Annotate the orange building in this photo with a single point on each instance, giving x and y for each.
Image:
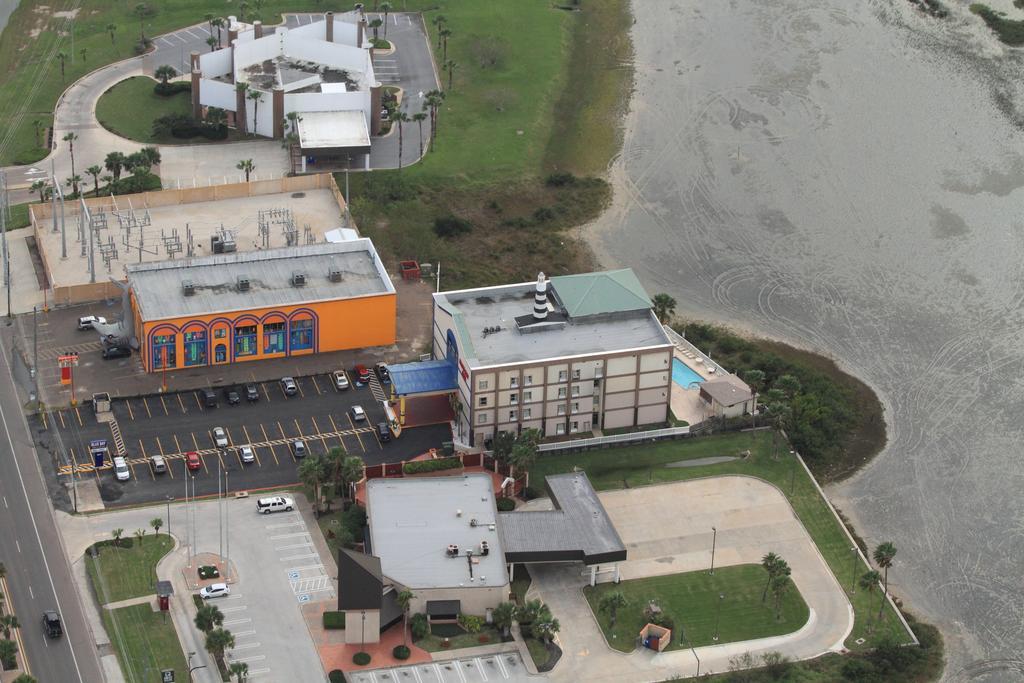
(274, 303)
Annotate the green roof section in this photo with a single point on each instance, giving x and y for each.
(611, 291)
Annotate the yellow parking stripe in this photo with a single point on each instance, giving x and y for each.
(181, 403)
(248, 440)
(146, 403)
(60, 416)
(79, 416)
(267, 439)
(265, 392)
(164, 404)
(198, 402)
(355, 432)
(317, 386)
(298, 385)
(131, 413)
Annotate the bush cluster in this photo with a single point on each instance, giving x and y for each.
(505, 504)
(334, 620)
(185, 127)
(451, 226)
(435, 465)
(401, 652)
(172, 88)
(419, 626)
(336, 676)
(361, 658)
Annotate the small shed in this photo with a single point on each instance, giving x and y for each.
(164, 591)
(655, 637)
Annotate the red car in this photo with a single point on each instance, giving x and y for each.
(362, 374)
(192, 460)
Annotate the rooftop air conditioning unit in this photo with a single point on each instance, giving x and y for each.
(484, 549)
(452, 550)
(243, 284)
(188, 288)
(298, 279)
(334, 275)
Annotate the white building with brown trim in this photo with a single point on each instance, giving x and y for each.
(565, 355)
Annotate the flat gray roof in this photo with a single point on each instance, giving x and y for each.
(413, 521)
(578, 529)
(489, 307)
(159, 293)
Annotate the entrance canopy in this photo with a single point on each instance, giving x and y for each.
(326, 130)
(423, 378)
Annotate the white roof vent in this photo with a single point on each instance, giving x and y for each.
(188, 288)
(298, 279)
(243, 283)
(334, 274)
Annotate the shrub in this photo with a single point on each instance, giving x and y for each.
(142, 46)
(662, 619)
(334, 620)
(451, 226)
(208, 571)
(506, 504)
(471, 623)
(544, 214)
(529, 493)
(400, 652)
(435, 465)
(361, 658)
(8, 650)
(336, 676)
(419, 626)
(560, 179)
(172, 88)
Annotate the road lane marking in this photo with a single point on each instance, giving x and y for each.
(18, 545)
(5, 503)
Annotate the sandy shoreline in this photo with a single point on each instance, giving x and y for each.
(846, 178)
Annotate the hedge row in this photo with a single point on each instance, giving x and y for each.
(435, 465)
(334, 620)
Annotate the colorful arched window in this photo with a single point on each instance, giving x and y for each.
(196, 344)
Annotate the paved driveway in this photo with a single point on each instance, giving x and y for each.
(507, 666)
(752, 518)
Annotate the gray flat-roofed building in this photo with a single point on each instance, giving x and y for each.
(577, 530)
(437, 536)
(565, 355)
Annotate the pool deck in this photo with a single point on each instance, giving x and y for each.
(686, 403)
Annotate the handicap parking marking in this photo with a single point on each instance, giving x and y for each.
(304, 598)
(293, 575)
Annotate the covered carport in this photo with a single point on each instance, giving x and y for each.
(331, 140)
(423, 391)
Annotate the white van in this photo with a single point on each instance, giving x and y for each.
(275, 504)
(121, 470)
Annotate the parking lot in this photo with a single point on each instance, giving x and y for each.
(171, 425)
(507, 666)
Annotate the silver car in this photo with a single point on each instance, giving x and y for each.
(220, 437)
(246, 454)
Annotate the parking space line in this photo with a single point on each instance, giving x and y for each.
(181, 403)
(79, 416)
(299, 429)
(349, 418)
(60, 415)
(267, 439)
(377, 439)
(317, 386)
(282, 389)
(177, 446)
(265, 392)
(232, 442)
(298, 385)
(198, 402)
(164, 404)
(255, 451)
(201, 458)
(146, 403)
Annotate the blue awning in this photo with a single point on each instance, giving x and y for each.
(424, 377)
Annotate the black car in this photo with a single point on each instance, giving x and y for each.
(209, 398)
(115, 352)
(383, 431)
(251, 392)
(51, 624)
(382, 372)
(231, 394)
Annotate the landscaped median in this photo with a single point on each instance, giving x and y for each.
(143, 637)
(658, 463)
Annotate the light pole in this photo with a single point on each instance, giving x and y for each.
(718, 615)
(792, 472)
(227, 531)
(684, 641)
(853, 570)
(169, 499)
(714, 541)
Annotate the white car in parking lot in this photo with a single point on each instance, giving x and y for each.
(358, 414)
(340, 380)
(214, 590)
(220, 437)
(86, 322)
(246, 453)
(121, 470)
(276, 504)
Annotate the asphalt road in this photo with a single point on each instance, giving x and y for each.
(848, 177)
(175, 423)
(38, 576)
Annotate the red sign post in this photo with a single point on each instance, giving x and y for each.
(68, 363)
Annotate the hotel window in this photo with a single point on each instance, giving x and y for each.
(482, 385)
(576, 374)
(195, 348)
(561, 409)
(527, 396)
(561, 392)
(511, 416)
(481, 418)
(514, 382)
(563, 375)
(513, 398)
(560, 428)
(528, 380)
(575, 390)
(482, 402)
(245, 340)
(220, 333)
(527, 412)
(575, 406)
(273, 337)
(575, 426)
(302, 334)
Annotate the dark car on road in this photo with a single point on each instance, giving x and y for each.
(115, 352)
(252, 393)
(51, 624)
(362, 374)
(231, 394)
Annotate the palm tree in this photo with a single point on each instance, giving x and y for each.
(398, 116)
(150, 157)
(165, 73)
(62, 56)
(140, 534)
(247, 166)
(439, 22)
(72, 182)
(343, 469)
(385, 7)
(240, 670)
(524, 453)
(432, 101)
(754, 378)
(218, 640)
(7, 622)
(212, 42)
(156, 523)
(209, 19)
(611, 603)
(256, 96)
(775, 566)
(780, 584)
(117, 533)
(70, 139)
(219, 23)
(869, 582)
(25, 678)
(403, 599)
(450, 65)
(114, 162)
(208, 617)
(546, 628)
(216, 117)
(884, 554)
(419, 117)
(375, 25)
(107, 180)
(41, 187)
(37, 125)
(503, 615)
(142, 10)
(445, 33)
(664, 307)
(242, 7)
(313, 472)
(95, 171)
(111, 29)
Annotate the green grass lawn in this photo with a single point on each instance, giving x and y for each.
(130, 107)
(433, 643)
(19, 217)
(122, 573)
(692, 600)
(640, 465)
(538, 652)
(145, 642)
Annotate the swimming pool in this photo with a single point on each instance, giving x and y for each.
(684, 376)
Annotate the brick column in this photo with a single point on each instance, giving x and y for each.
(329, 18)
(257, 29)
(375, 106)
(197, 108)
(240, 119)
(278, 103)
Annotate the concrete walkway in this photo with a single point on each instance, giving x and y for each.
(140, 600)
(752, 517)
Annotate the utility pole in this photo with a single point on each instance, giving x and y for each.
(714, 540)
(227, 535)
(63, 233)
(4, 209)
(35, 354)
(220, 511)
